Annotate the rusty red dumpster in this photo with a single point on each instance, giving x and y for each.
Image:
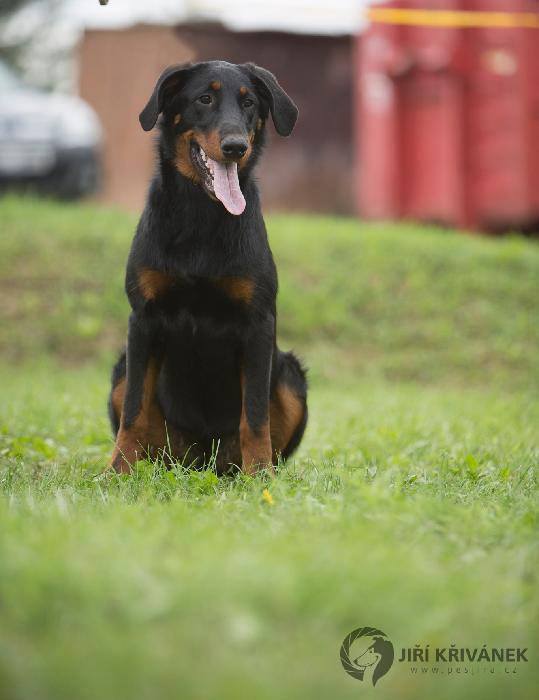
(448, 116)
(502, 115)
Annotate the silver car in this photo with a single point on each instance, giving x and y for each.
(48, 141)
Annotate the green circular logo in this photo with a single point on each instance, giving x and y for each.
(367, 652)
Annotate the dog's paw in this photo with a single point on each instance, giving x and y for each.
(253, 467)
(120, 462)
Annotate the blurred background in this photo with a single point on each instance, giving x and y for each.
(397, 121)
(412, 502)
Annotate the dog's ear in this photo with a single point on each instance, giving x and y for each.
(283, 111)
(171, 78)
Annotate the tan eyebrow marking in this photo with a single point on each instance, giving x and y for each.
(243, 90)
(177, 119)
(215, 85)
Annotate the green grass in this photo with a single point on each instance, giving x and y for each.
(373, 300)
(411, 506)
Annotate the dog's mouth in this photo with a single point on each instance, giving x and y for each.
(219, 179)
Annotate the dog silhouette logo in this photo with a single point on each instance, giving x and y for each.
(367, 653)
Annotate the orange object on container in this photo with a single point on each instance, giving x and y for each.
(448, 119)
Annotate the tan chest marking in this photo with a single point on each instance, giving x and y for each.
(153, 283)
(236, 288)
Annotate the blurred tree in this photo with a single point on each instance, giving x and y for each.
(9, 50)
(8, 6)
(30, 39)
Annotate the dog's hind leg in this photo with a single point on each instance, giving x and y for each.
(288, 406)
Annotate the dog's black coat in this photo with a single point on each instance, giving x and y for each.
(207, 320)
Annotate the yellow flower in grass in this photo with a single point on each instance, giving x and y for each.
(267, 497)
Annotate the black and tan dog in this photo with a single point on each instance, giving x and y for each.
(202, 373)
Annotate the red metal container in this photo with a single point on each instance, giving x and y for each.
(502, 121)
(449, 120)
(377, 146)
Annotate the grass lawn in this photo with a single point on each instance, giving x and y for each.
(411, 506)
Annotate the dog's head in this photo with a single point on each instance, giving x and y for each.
(214, 115)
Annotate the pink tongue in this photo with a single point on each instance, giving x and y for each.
(227, 187)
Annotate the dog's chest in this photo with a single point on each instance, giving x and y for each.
(218, 298)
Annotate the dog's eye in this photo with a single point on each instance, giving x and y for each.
(248, 102)
(205, 99)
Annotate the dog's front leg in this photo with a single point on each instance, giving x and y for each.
(255, 440)
(141, 422)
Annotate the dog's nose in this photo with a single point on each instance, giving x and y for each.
(234, 147)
